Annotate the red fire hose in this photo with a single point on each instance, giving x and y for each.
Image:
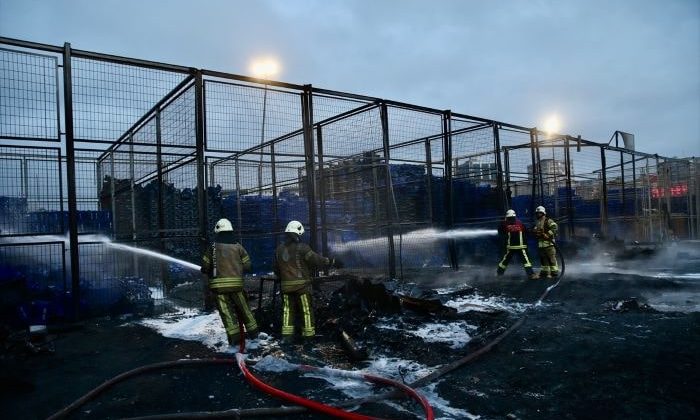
(320, 407)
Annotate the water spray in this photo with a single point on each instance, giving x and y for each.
(417, 236)
(104, 240)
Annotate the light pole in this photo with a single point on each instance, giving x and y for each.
(263, 68)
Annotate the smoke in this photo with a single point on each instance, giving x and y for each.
(658, 260)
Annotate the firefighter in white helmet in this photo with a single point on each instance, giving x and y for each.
(513, 233)
(293, 264)
(545, 231)
(224, 264)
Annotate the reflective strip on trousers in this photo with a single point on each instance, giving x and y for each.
(228, 315)
(309, 330)
(287, 316)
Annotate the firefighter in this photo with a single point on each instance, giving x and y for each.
(513, 233)
(293, 264)
(224, 264)
(545, 231)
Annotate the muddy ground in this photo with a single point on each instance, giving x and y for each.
(593, 350)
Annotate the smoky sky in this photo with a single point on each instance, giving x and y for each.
(601, 66)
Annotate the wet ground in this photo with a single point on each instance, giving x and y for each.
(608, 342)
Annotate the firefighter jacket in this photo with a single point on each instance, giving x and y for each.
(545, 230)
(294, 262)
(225, 263)
(513, 233)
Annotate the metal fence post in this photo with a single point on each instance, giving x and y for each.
(307, 124)
(322, 190)
(569, 192)
(70, 175)
(499, 168)
(449, 204)
(604, 194)
(636, 192)
(388, 193)
(160, 205)
(429, 178)
(200, 142)
(508, 192)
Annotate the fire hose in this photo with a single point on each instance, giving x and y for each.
(318, 406)
(257, 383)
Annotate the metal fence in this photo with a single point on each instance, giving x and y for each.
(101, 150)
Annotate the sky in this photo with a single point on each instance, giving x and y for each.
(596, 65)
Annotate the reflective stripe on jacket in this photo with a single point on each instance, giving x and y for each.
(225, 264)
(514, 234)
(293, 264)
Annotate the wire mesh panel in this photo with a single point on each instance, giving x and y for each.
(108, 97)
(28, 96)
(588, 194)
(33, 271)
(617, 196)
(116, 280)
(355, 189)
(475, 173)
(676, 205)
(553, 172)
(520, 182)
(240, 117)
(30, 191)
(411, 134)
(649, 203)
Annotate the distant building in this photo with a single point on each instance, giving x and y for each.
(552, 172)
(478, 172)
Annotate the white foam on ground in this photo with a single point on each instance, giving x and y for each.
(205, 328)
(455, 333)
(388, 367)
(274, 364)
(480, 303)
(400, 370)
(442, 406)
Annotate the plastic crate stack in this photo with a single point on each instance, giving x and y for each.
(410, 192)
(12, 212)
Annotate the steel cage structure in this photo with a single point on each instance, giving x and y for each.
(100, 150)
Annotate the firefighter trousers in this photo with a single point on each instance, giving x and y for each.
(293, 303)
(548, 261)
(522, 254)
(230, 304)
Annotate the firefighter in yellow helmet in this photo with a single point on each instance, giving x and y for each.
(545, 230)
(224, 264)
(513, 233)
(293, 264)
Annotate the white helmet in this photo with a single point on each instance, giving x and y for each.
(295, 227)
(510, 213)
(540, 209)
(223, 225)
